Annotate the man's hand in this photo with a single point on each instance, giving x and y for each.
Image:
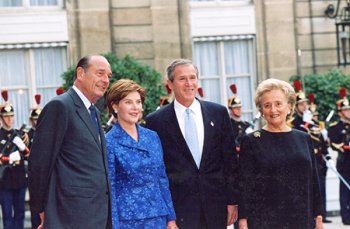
(25, 139)
(41, 226)
(232, 214)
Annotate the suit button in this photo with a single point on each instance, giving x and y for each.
(107, 193)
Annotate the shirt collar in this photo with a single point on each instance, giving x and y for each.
(86, 102)
(195, 107)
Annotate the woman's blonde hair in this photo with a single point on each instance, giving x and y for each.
(275, 84)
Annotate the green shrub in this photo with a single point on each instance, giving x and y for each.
(325, 88)
(129, 68)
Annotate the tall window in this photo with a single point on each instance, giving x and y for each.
(22, 3)
(26, 72)
(223, 61)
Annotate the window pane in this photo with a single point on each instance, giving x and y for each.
(211, 89)
(206, 59)
(10, 3)
(222, 63)
(49, 66)
(43, 2)
(237, 57)
(14, 78)
(16, 67)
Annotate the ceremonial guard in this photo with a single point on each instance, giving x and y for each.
(339, 134)
(305, 121)
(33, 118)
(13, 181)
(239, 127)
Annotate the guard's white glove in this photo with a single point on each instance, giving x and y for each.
(19, 143)
(249, 130)
(324, 133)
(14, 156)
(330, 164)
(307, 117)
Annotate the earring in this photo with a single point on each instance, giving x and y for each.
(115, 111)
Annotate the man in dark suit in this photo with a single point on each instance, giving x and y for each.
(201, 177)
(68, 179)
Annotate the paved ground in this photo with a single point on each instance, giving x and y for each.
(336, 223)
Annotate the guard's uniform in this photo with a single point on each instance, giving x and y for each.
(14, 176)
(13, 181)
(339, 134)
(319, 143)
(239, 129)
(34, 115)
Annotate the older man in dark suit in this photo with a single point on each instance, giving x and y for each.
(199, 153)
(68, 181)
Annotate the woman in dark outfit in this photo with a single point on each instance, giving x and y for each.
(279, 182)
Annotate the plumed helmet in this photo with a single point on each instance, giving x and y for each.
(59, 91)
(300, 95)
(35, 112)
(6, 108)
(343, 103)
(234, 101)
(313, 106)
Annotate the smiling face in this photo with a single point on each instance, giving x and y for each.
(185, 84)
(93, 81)
(129, 109)
(275, 108)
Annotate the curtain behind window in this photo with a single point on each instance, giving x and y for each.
(27, 72)
(43, 2)
(222, 63)
(10, 3)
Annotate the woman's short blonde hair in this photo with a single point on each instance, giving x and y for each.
(275, 84)
(120, 89)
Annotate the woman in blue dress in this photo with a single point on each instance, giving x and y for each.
(141, 197)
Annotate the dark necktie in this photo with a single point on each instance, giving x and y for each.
(93, 116)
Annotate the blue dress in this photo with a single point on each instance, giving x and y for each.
(140, 188)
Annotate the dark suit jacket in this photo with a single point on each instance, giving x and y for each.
(67, 167)
(211, 187)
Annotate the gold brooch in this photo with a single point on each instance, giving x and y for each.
(257, 134)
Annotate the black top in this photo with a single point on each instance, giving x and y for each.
(279, 182)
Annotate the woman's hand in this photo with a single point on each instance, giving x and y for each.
(243, 224)
(319, 223)
(171, 225)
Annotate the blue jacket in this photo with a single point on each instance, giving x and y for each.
(139, 185)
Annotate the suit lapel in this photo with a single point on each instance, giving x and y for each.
(209, 122)
(84, 115)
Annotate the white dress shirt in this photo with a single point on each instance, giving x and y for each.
(180, 112)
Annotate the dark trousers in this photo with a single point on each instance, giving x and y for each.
(344, 196)
(12, 206)
(35, 219)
